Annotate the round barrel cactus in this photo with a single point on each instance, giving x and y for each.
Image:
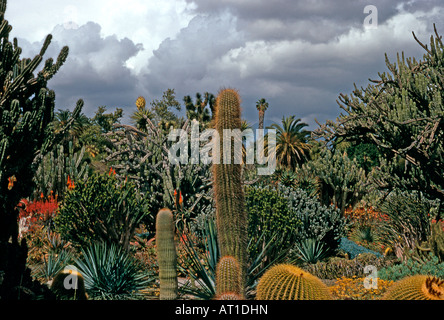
(288, 282)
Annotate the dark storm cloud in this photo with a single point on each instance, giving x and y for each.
(299, 55)
(185, 63)
(94, 71)
(315, 21)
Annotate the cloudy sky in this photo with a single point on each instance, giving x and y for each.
(298, 55)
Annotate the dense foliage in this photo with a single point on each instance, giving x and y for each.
(102, 209)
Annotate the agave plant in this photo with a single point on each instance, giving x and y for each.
(309, 250)
(111, 273)
(53, 263)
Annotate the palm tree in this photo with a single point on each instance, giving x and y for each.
(261, 106)
(292, 143)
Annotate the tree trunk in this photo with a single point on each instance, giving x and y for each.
(261, 119)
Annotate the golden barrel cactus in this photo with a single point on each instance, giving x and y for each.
(288, 282)
(417, 287)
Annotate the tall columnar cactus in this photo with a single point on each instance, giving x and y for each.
(288, 282)
(228, 277)
(26, 112)
(417, 287)
(231, 216)
(166, 255)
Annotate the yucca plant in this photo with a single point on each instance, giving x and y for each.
(111, 273)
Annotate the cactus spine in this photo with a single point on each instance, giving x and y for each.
(288, 282)
(228, 278)
(231, 217)
(417, 287)
(229, 296)
(166, 255)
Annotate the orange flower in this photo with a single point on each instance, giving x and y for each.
(180, 199)
(11, 181)
(111, 171)
(70, 184)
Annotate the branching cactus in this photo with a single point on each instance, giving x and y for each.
(26, 113)
(228, 277)
(166, 255)
(231, 216)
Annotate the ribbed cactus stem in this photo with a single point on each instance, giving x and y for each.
(231, 216)
(288, 282)
(417, 287)
(166, 255)
(228, 277)
(229, 296)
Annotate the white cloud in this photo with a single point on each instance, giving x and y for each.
(142, 21)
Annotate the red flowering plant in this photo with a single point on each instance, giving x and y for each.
(37, 213)
(35, 225)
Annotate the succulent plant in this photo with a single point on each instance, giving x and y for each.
(231, 216)
(166, 255)
(418, 287)
(228, 276)
(229, 296)
(288, 282)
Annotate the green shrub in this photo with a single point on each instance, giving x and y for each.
(294, 215)
(111, 273)
(411, 267)
(101, 209)
(269, 211)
